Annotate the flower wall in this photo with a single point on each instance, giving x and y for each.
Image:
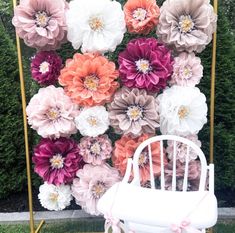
(150, 89)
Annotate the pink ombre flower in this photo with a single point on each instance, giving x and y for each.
(95, 150)
(57, 161)
(91, 184)
(51, 113)
(145, 64)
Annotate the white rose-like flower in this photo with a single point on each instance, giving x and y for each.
(92, 121)
(54, 197)
(182, 110)
(95, 26)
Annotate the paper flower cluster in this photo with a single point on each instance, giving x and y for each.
(113, 93)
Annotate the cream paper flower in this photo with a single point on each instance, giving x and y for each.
(95, 26)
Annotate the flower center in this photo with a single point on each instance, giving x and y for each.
(143, 159)
(143, 66)
(41, 19)
(54, 197)
(187, 72)
(95, 148)
(186, 24)
(91, 82)
(57, 161)
(44, 67)
(134, 113)
(92, 121)
(53, 114)
(96, 24)
(140, 14)
(183, 112)
(98, 189)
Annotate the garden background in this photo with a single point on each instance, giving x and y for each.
(13, 178)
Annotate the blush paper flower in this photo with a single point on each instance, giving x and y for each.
(187, 25)
(51, 113)
(145, 64)
(91, 184)
(41, 23)
(54, 197)
(57, 161)
(187, 71)
(141, 16)
(125, 149)
(89, 79)
(134, 112)
(95, 26)
(45, 67)
(183, 110)
(95, 150)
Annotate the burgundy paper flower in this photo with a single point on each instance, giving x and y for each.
(145, 64)
(57, 161)
(45, 67)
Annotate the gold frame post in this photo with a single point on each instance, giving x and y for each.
(23, 99)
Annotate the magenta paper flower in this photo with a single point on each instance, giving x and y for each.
(51, 113)
(91, 184)
(41, 23)
(145, 64)
(45, 67)
(96, 150)
(57, 161)
(187, 71)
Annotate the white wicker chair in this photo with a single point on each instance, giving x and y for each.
(151, 210)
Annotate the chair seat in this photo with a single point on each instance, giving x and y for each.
(158, 208)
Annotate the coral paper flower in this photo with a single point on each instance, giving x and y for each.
(52, 113)
(57, 161)
(182, 110)
(145, 64)
(141, 16)
(92, 121)
(95, 150)
(134, 112)
(95, 26)
(125, 149)
(89, 79)
(91, 184)
(54, 197)
(41, 23)
(187, 71)
(187, 25)
(45, 67)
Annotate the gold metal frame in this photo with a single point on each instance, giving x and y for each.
(23, 99)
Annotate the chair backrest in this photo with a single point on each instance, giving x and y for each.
(176, 139)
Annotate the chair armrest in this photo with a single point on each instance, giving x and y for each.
(211, 177)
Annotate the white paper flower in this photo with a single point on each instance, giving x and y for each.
(182, 110)
(54, 197)
(92, 121)
(95, 25)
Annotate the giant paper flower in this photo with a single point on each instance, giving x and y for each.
(52, 113)
(41, 23)
(125, 149)
(45, 67)
(188, 70)
(133, 111)
(182, 110)
(89, 79)
(141, 16)
(145, 64)
(91, 184)
(57, 161)
(54, 197)
(95, 26)
(187, 25)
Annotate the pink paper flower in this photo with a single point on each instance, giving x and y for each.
(45, 67)
(57, 161)
(145, 64)
(188, 70)
(91, 184)
(95, 150)
(51, 113)
(41, 23)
